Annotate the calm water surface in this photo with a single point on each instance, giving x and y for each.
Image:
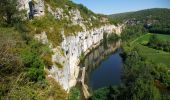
(104, 66)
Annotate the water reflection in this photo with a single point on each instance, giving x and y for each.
(103, 66)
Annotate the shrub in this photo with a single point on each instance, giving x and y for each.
(32, 61)
(74, 94)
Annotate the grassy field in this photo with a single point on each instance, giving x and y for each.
(145, 38)
(163, 37)
(156, 56)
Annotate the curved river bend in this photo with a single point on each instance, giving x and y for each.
(103, 66)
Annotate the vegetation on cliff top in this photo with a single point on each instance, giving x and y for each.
(22, 68)
(23, 60)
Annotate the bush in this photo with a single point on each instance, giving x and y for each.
(32, 61)
(74, 94)
(82, 56)
(100, 94)
(158, 44)
(113, 37)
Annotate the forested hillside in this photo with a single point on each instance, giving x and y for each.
(156, 20)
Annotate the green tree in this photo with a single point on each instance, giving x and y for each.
(74, 94)
(8, 11)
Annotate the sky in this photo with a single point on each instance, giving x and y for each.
(120, 6)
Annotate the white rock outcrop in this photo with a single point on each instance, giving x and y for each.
(42, 37)
(76, 18)
(37, 6)
(71, 48)
(58, 13)
(69, 52)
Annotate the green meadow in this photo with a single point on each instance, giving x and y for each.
(150, 54)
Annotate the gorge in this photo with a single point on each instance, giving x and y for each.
(60, 50)
(67, 54)
(73, 47)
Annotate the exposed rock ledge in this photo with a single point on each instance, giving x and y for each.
(68, 53)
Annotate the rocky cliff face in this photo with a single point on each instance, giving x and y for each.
(70, 50)
(36, 7)
(66, 56)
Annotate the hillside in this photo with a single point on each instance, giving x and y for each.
(159, 14)
(64, 15)
(156, 20)
(40, 45)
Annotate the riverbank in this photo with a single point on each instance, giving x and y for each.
(144, 69)
(91, 61)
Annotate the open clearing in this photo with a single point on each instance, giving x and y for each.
(156, 56)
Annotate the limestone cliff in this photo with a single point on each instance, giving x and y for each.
(66, 55)
(34, 7)
(72, 47)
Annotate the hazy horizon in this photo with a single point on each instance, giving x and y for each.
(121, 6)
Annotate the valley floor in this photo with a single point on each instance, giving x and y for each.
(150, 54)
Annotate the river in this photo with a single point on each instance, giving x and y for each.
(103, 66)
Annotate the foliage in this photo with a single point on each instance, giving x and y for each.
(23, 59)
(86, 14)
(100, 94)
(143, 77)
(55, 91)
(22, 68)
(148, 53)
(105, 40)
(113, 37)
(9, 13)
(60, 3)
(156, 43)
(132, 32)
(138, 78)
(138, 81)
(53, 28)
(82, 56)
(74, 94)
(31, 60)
(159, 29)
(85, 10)
(47, 59)
(155, 20)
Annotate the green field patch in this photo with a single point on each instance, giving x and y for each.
(156, 56)
(163, 37)
(150, 54)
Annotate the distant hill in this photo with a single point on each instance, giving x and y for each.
(155, 13)
(156, 19)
